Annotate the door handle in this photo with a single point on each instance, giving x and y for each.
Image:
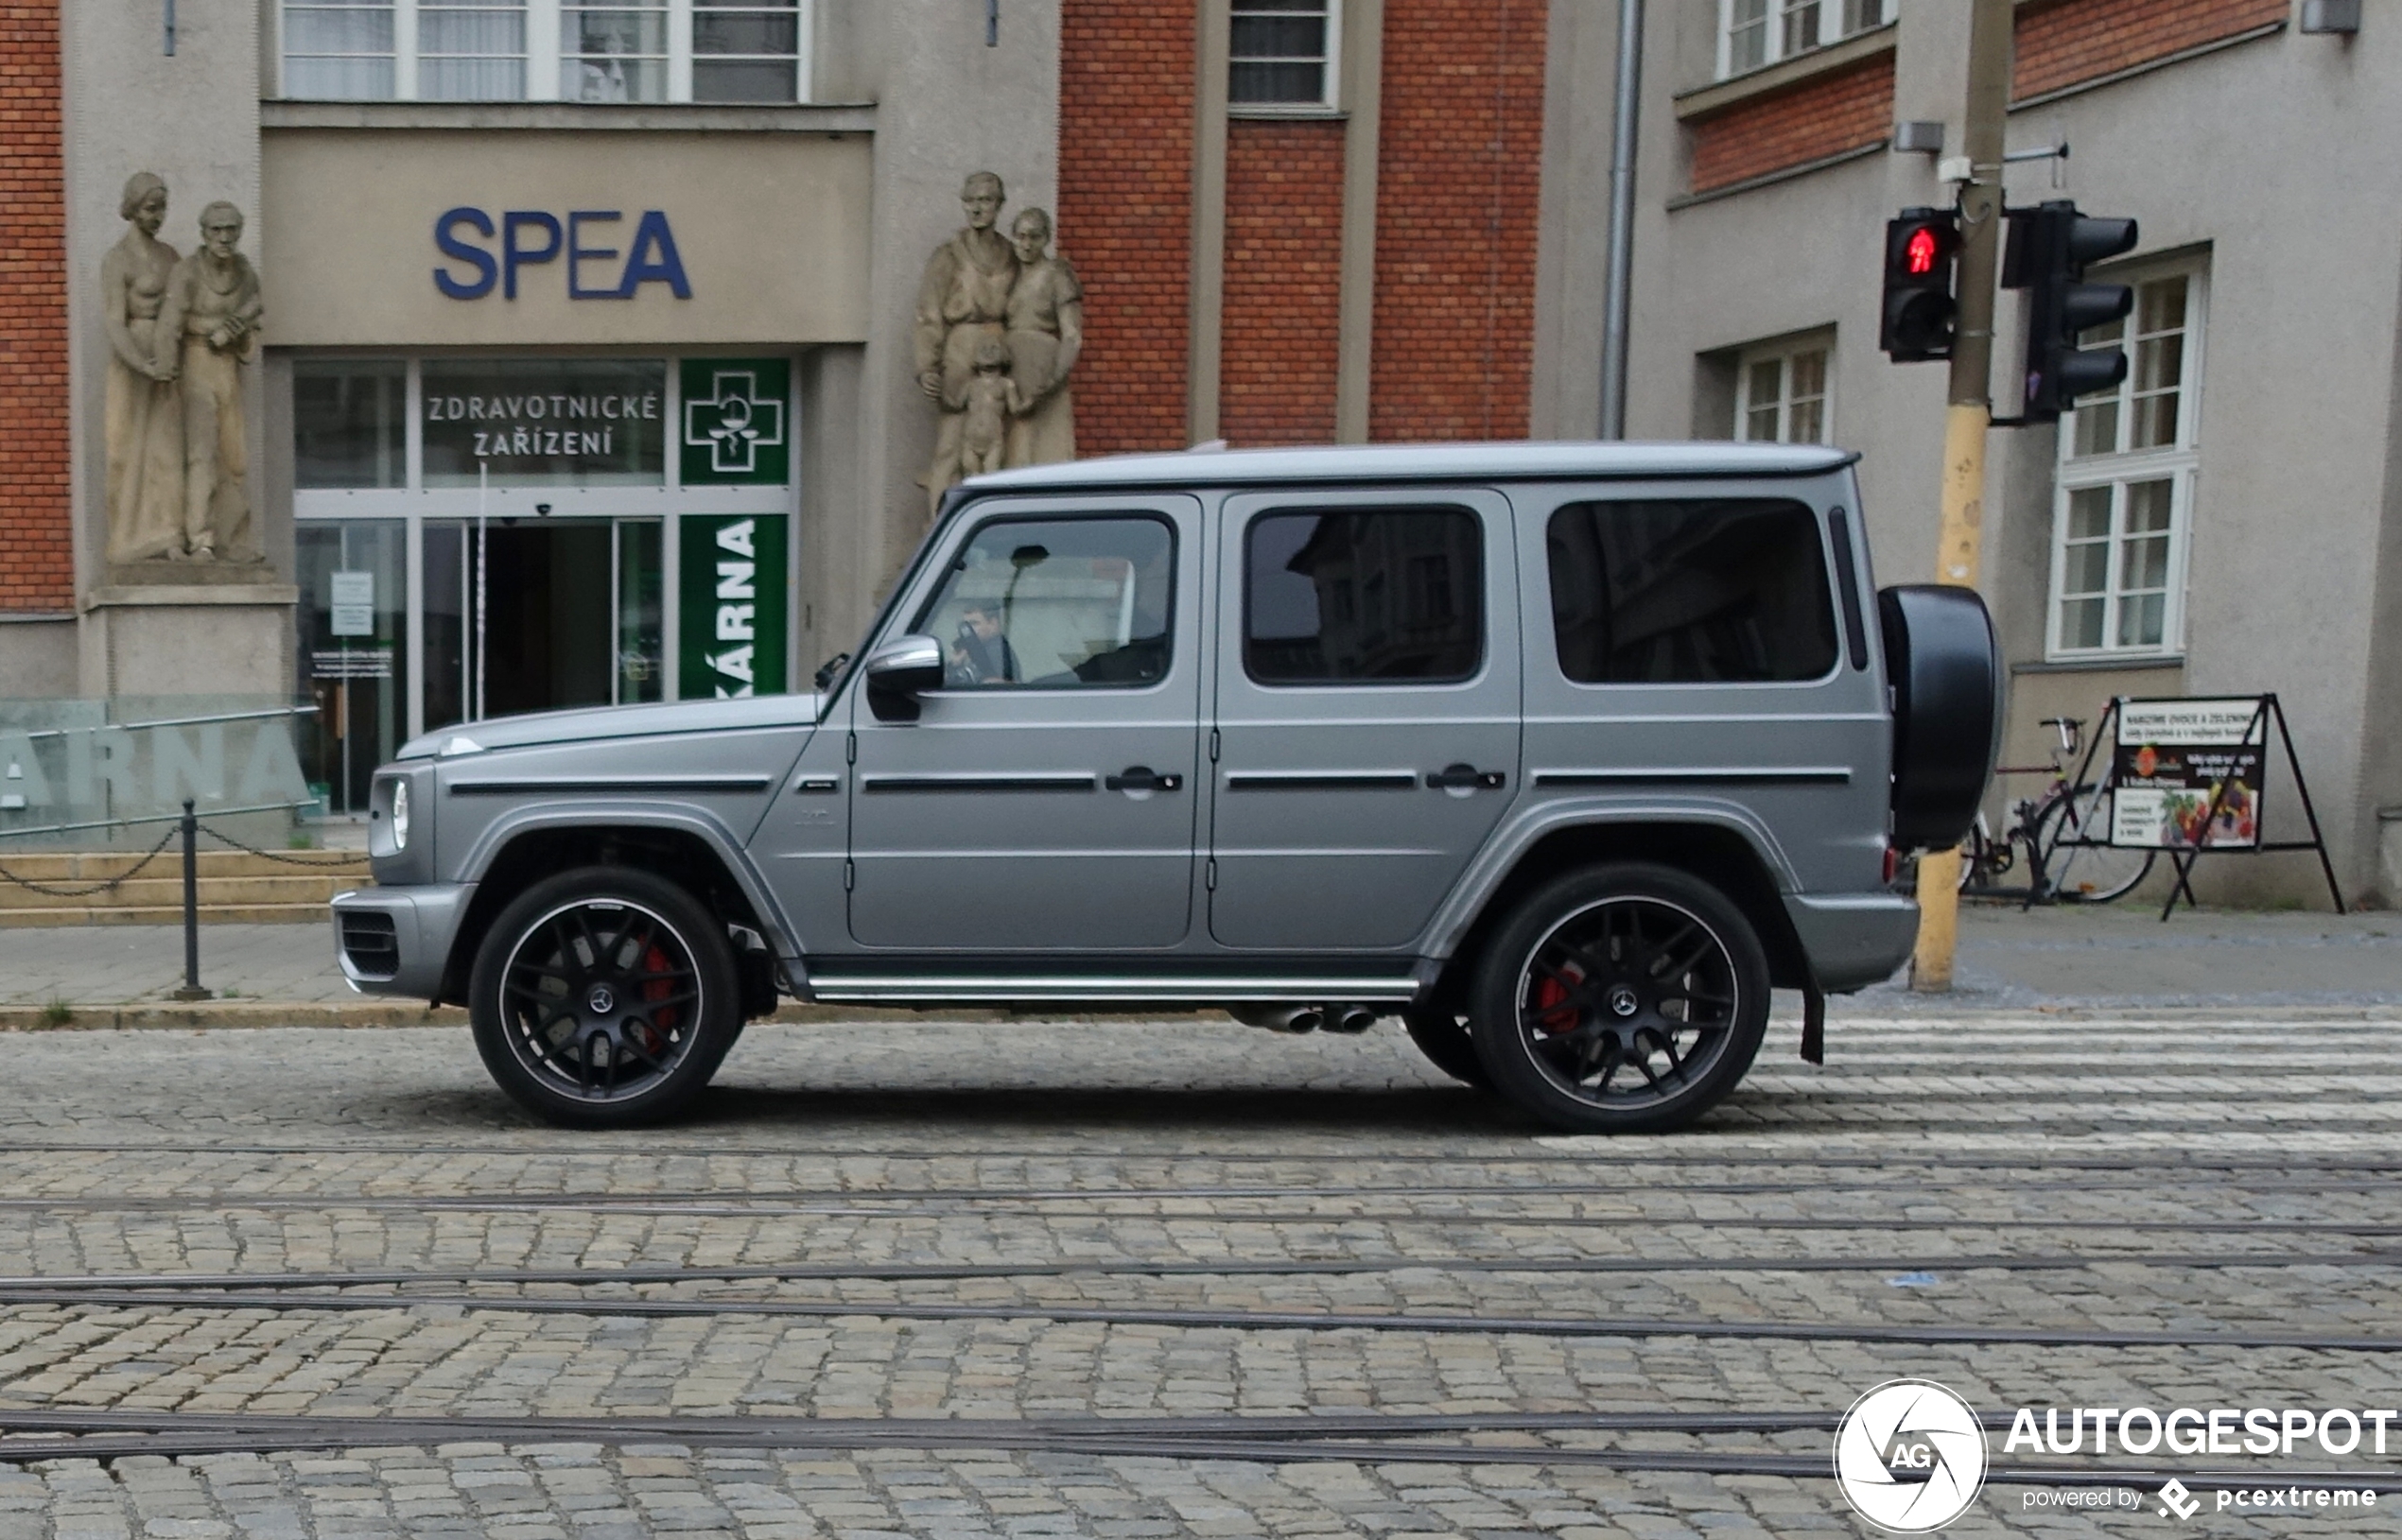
(1139, 778)
(1464, 777)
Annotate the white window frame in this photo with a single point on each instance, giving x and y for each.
(1330, 93)
(2178, 463)
(1834, 21)
(1783, 353)
(547, 77)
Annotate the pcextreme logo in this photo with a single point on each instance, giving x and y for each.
(1909, 1456)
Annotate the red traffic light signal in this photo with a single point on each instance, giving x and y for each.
(1920, 249)
(1918, 256)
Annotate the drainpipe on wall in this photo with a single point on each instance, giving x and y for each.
(1616, 295)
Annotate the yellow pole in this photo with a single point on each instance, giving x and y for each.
(1966, 425)
(1957, 552)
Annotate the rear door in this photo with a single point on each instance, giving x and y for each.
(1366, 711)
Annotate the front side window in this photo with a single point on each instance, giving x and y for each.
(493, 50)
(2129, 459)
(1382, 596)
(1056, 604)
(1756, 33)
(1281, 53)
(1699, 591)
(1781, 394)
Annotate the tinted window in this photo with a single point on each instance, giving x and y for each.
(1693, 591)
(1056, 604)
(1389, 595)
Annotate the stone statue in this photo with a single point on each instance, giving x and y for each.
(213, 306)
(143, 421)
(1046, 331)
(962, 301)
(986, 410)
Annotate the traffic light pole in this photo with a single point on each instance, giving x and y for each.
(1959, 546)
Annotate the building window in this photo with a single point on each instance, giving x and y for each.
(2128, 457)
(547, 50)
(1755, 33)
(1283, 53)
(1781, 393)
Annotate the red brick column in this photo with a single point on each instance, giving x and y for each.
(36, 532)
(1284, 282)
(1459, 175)
(1125, 214)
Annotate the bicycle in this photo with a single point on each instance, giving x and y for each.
(2064, 831)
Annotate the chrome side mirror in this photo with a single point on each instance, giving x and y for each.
(898, 671)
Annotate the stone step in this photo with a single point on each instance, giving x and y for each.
(167, 892)
(92, 866)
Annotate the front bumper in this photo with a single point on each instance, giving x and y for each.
(1854, 940)
(396, 941)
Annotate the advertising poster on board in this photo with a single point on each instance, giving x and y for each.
(2174, 759)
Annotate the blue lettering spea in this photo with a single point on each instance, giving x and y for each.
(535, 237)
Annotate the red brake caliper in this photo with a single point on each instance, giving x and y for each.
(1553, 1013)
(664, 1017)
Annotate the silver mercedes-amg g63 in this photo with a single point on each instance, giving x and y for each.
(1564, 754)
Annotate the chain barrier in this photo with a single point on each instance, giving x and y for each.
(338, 858)
(109, 885)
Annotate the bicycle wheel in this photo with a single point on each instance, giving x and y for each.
(2085, 874)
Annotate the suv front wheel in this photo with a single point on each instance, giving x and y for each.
(604, 998)
(1621, 1000)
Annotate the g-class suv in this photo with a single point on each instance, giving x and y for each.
(1565, 755)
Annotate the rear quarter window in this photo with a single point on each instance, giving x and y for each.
(1690, 591)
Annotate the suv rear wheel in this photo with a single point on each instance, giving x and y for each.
(604, 998)
(1621, 1000)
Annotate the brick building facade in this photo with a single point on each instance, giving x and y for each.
(1357, 260)
(37, 535)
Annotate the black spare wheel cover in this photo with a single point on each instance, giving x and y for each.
(1947, 671)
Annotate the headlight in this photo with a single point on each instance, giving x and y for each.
(400, 815)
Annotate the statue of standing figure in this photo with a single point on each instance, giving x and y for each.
(142, 425)
(179, 330)
(987, 296)
(213, 305)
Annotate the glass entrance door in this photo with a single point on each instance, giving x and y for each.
(569, 615)
(354, 661)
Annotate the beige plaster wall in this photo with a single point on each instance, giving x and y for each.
(772, 230)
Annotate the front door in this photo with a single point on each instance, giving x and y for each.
(1042, 800)
(1368, 709)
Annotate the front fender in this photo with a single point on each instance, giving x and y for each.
(1529, 826)
(684, 818)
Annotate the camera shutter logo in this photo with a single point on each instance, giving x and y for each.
(1909, 1456)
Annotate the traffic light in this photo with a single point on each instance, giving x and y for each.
(1920, 249)
(2049, 247)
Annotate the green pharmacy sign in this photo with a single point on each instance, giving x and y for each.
(738, 422)
(734, 594)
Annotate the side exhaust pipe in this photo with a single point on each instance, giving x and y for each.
(1292, 1019)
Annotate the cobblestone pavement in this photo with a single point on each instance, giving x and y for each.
(872, 1233)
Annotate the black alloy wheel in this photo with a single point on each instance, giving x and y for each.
(1624, 998)
(604, 998)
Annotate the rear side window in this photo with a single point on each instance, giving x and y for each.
(1690, 591)
(1363, 596)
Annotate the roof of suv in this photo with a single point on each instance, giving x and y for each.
(1506, 461)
